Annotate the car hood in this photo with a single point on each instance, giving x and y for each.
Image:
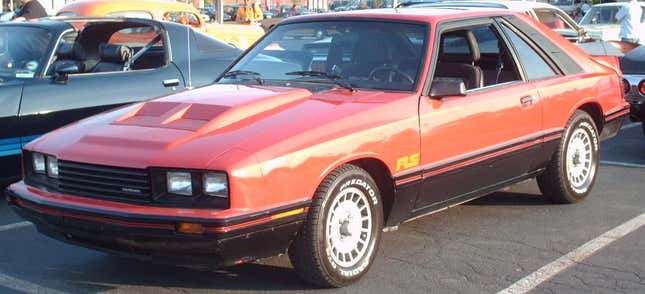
(193, 128)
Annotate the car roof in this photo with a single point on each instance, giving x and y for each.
(428, 15)
(48, 24)
(107, 6)
(511, 5)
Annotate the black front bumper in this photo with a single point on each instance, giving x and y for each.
(159, 242)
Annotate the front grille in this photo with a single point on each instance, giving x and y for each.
(99, 181)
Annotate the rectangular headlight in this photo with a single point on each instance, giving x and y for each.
(179, 183)
(52, 166)
(216, 184)
(38, 160)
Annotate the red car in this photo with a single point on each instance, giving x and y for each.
(330, 130)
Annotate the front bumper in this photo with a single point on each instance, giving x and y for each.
(159, 241)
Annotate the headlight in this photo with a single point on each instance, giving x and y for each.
(216, 184)
(38, 160)
(52, 166)
(179, 183)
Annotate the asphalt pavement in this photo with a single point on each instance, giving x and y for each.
(484, 246)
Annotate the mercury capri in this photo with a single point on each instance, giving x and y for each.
(315, 151)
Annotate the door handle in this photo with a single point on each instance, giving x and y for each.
(528, 100)
(171, 83)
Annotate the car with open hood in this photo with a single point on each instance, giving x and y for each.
(549, 15)
(54, 72)
(601, 24)
(315, 151)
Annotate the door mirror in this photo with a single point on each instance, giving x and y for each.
(443, 87)
(65, 68)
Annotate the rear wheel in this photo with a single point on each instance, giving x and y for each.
(339, 240)
(572, 171)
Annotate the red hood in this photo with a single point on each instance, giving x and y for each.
(192, 128)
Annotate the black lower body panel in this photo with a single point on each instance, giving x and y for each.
(165, 246)
(9, 169)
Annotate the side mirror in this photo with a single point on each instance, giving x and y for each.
(443, 87)
(64, 69)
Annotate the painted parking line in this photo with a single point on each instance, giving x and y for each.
(623, 164)
(14, 226)
(24, 286)
(548, 271)
(631, 125)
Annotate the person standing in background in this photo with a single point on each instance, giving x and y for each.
(629, 17)
(249, 13)
(30, 10)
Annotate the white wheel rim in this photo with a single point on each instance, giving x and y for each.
(349, 227)
(579, 160)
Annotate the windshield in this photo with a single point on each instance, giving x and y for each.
(23, 51)
(603, 15)
(361, 54)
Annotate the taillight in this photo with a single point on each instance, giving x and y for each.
(626, 86)
(641, 87)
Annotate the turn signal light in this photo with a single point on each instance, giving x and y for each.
(641, 87)
(190, 228)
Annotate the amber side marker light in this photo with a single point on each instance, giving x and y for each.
(190, 228)
(288, 213)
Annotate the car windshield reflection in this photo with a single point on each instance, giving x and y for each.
(354, 54)
(23, 51)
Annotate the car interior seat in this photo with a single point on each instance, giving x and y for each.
(112, 57)
(462, 65)
(68, 54)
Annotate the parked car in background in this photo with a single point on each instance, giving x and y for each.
(240, 35)
(269, 23)
(601, 23)
(633, 66)
(54, 72)
(568, 6)
(547, 14)
(409, 112)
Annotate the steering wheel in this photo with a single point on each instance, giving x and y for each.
(391, 73)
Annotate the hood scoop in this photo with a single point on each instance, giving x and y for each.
(201, 117)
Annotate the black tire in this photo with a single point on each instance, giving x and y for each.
(561, 182)
(311, 253)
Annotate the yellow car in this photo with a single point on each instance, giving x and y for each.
(240, 35)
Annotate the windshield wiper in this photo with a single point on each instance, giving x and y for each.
(235, 73)
(336, 79)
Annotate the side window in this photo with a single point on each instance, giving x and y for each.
(476, 56)
(185, 18)
(536, 67)
(128, 43)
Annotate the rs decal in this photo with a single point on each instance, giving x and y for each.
(407, 162)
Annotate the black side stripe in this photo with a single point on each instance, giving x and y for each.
(461, 160)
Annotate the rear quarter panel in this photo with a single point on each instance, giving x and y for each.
(597, 84)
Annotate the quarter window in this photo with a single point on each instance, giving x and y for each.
(535, 66)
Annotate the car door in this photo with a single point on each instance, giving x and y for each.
(49, 104)
(474, 143)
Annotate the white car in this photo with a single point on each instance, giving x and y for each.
(551, 16)
(601, 23)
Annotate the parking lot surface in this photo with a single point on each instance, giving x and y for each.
(480, 247)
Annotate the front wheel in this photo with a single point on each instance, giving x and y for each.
(339, 240)
(572, 171)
